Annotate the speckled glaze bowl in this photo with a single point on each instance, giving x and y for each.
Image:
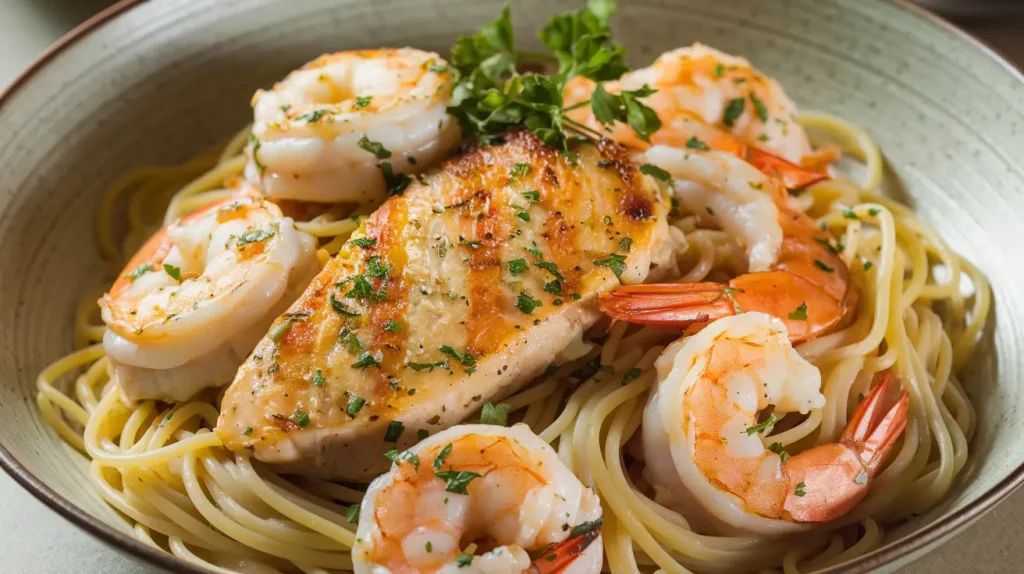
(156, 81)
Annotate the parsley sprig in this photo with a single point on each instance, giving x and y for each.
(492, 96)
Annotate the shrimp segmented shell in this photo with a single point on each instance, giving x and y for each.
(709, 458)
(338, 128)
(500, 492)
(195, 299)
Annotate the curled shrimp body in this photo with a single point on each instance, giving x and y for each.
(709, 99)
(478, 499)
(708, 457)
(194, 300)
(338, 128)
(795, 273)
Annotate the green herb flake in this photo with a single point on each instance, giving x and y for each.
(139, 271)
(849, 214)
(719, 70)
(821, 265)
(301, 418)
(464, 559)
(492, 414)
(631, 375)
(585, 528)
(174, 272)
(868, 265)
(363, 101)
(800, 489)
(341, 308)
(456, 481)
(394, 183)
(655, 172)
(527, 304)
(517, 266)
(439, 459)
(255, 236)
(404, 456)
(465, 358)
(524, 216)
(366, 360)
(759, 107)
(553, 287)
(318, 378)
(355, 404)
(800, 314)
(392, 326)
(762, 427)
(422, 434)
(352, 514)
(532, 196)
(312, 117)
(780, 450)
(550, 268)
(394, 432)
(697, 144)
(626, 243)
(615, 262)
(364, 242)
(874, 211)
(733, 110)
(376, 148)
(248, 431)
(428, 366)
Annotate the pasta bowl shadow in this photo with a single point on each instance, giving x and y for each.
(154, 82)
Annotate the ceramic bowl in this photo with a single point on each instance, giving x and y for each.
(156, 81)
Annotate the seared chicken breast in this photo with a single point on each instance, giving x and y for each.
(455, 293)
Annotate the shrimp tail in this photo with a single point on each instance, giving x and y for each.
(790, 174)
(669, 305)
(561, 555)
(877, 423)
(830, 480)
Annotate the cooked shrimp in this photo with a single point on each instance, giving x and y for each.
(712, 456)
(195, 299)
(709, 99)
(479, 499)
(796, 273)
(341, 126)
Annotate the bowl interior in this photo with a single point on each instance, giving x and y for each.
(167, 78)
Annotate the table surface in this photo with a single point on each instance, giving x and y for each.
(35, 539)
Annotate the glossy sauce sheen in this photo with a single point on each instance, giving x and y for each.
(447, 243)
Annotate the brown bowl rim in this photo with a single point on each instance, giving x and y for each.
(932, 532)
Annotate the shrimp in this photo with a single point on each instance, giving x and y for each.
(477, 499)
(709, 99)
(711, 462)
(795, 272)
(344, 127)
(195, 299)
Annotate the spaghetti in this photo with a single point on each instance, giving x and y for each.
(922, 309)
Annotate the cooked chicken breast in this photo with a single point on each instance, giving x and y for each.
(455, 293)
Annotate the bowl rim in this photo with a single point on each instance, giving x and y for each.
(946, 525)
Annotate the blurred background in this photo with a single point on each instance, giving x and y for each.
(29, 532)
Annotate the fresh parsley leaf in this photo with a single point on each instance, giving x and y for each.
(341, 308)
(318, 378)
(349, 339)
(428, 366)
(363, 101)
(312, 117)
(517, 266)
(394, 432)
(355, 404)
(361, 288)
(376, 148)
(626, 243)
(404, 456)
(761, 427)
(553, 287)
(524, 216)
(799, 491)
(585, 528)
(301, 418)
(759, 107)
(374, 268)
(626, 108)
(821, 265)
(527, 304)
(439, 459)
(464, 559)
(471, 244)
(394, 183)
(139, 271)
(550, 268)
(532, 196)
(174, 272)
(465, 358)
(780, 450)
(733, 110)
(254, 236)
(800, 314)
(697, 144)
(364, 242)
(868, 265)
(457, 481)
(392, 326)
(366, 360)
(352, 514)
(520, 169)
(655, 172)
(614, 261)
(492, 414)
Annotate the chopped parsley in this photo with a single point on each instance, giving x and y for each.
(733, 110)
(800, 314)
(585, 528)
(697, 144)
(655, 172)
(355, 404)
(361, 288)
(527, 304)
(174, 272)
(456, 481)
(868, 265)
(517, 266)
(492, 414)
(364, 242)
(394, 183)
(248, 431)
(520, 169)
(719, 70)
(301, 418)
(466, 358)
(428, 366)
(428, 546)
(363, 101)
(392, 326)
(759, 107)
(780, 450)
(349, 339)
(422, 434)
(849, 214)
(394, 432)
(318, 378)
(312, 117)
(607, 220)
(800, 489)
(821, 265)
(374, 268)
(439, 459)
(464, 559)
(281, 329)
(553, 287)
(874, 211)
(762, 427)
(376, 148)
(352, 514)
(255, 236)
(524, 216)
(140, 271)
(406, 456)
(626, 243)
(255, 141)
(341, 308)
(367, 360)
(631, 375)
(615, 262)
(550, 268)
(532, 196)
(471, 244)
